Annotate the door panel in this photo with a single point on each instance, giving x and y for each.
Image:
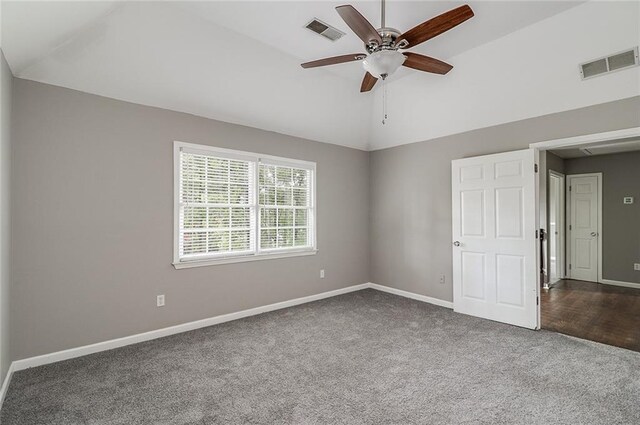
(473, 275)
(474, 172)
(510, 279)
(472, 212)
(509, 213)
(508, 169)
(583, 214)
(583, 227)
(494, 258)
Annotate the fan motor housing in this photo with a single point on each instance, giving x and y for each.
(389, 37)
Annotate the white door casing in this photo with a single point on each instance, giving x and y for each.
(584, 227)
(495, 240)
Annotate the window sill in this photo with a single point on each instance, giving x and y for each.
(242, 259)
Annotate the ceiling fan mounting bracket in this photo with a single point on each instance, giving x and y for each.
(402, 44)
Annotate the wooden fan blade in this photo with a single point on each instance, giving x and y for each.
(426, 63)
(359, 24)
(368, 82)
(435, 26)
(334, 60)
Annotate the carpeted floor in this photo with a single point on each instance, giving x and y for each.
(362, 358)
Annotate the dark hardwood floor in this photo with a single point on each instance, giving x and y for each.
(598, 312)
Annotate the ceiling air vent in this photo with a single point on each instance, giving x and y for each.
(616, 62)
(324, 30)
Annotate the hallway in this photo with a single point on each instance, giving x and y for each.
(598, 312)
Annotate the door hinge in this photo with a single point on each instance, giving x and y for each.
(537, 300)
(536, 234)
(570, 226)
(570, 267)
(535, 167)
(569, 188)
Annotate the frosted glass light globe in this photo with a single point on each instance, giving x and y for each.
(383, 63)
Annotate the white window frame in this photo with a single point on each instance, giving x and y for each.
(256, 159)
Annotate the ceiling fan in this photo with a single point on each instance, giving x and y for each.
(383, 45)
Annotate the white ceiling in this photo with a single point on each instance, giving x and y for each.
(611, 147)
(280, 24)
(528, 73)
(239, 61)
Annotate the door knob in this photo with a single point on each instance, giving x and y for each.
(594, 234)
(456, 243)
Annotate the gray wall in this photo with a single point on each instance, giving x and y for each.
(410, 227)
(6, 83)
(93, 207)
(93, 219)
(620, 222)
(554, 162)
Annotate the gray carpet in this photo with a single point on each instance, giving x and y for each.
(361, 358)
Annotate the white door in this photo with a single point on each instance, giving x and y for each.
(583, 227)
(495, 241)
(556, 226)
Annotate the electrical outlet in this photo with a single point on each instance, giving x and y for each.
(636, 266)
(442, 279)
(160, 300)
(322, 274)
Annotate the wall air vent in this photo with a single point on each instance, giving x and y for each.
(324, 30)
(616, 62)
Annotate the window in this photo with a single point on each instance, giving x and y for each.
(285, 206)
(238, 206)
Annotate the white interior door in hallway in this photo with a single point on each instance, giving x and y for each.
(494, 237)
(584, 226)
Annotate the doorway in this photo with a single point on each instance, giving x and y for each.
(596, 295)
(498, 247)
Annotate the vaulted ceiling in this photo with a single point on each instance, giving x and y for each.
(239, 61)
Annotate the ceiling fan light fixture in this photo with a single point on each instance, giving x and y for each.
(383, 63)
(382, 44)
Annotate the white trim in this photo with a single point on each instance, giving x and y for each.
(5, 384)
(172, 330)
(413, 296)
(185, 327)
(568, 212)
(242, 259)
(620, 283)
(537, 241)
(586, 139)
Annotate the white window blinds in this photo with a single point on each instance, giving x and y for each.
(215, 205)
(285, 206)
(234, 204)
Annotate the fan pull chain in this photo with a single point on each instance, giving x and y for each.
(384, 102)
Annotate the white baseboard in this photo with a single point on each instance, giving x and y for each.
(620, 283)
(185, 327)
(413, 296)
(5, 384)
(146, 336)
